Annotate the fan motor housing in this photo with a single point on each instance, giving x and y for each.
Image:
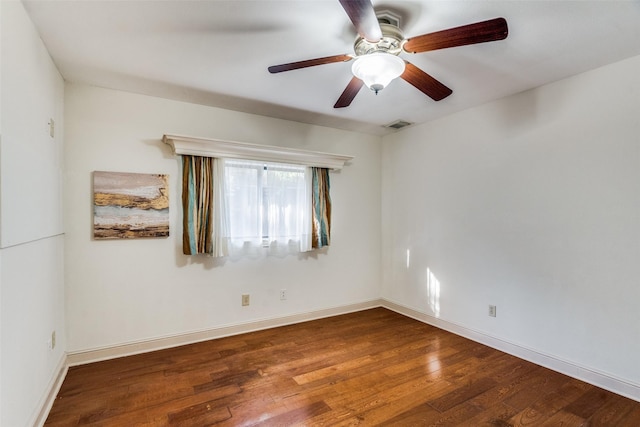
(391, 42)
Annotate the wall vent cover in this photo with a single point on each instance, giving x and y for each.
(398, 124)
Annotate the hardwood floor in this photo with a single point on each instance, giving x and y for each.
(366, 368)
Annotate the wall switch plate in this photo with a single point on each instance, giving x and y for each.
(283, 294)
(492, 310)
(245, 299)
(52, 128)
(51, 342)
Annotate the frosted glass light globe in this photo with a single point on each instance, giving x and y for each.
(377, 70)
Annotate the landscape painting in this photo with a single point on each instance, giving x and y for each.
(130, 205)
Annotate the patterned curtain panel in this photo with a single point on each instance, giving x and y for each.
(321, 205)
(197, 205)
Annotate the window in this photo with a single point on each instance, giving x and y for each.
(266, 205)
(279, 200)
(240, 207)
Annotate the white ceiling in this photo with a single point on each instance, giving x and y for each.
(216, 52)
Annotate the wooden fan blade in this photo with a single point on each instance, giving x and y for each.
(309, 63)
(425, 83)
(364, 18)
(480, 32)
(349, 93)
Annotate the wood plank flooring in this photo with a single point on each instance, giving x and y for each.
(374, 367)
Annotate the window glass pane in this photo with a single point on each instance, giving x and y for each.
(267, 202)
(285, 201)
(243, 200)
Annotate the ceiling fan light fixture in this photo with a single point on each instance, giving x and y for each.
(378, 69)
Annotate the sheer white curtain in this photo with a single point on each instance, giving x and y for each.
(262, 206)
(220, 229)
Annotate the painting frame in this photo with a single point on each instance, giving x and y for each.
(129, 205)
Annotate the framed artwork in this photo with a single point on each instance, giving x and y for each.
(130, 205)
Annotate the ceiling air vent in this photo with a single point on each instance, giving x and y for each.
(398, 124)
(388, 17)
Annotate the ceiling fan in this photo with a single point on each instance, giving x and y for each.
(379, 43)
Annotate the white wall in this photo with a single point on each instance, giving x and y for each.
(129, 291)
(1, 98)
(31, 242)
(32, 94)
(530, 203)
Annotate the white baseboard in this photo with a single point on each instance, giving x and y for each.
(54, 387)
(591, 376)
(128, 349)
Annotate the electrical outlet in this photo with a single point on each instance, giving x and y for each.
(245, 299)
(283, 294)
(492, 310)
